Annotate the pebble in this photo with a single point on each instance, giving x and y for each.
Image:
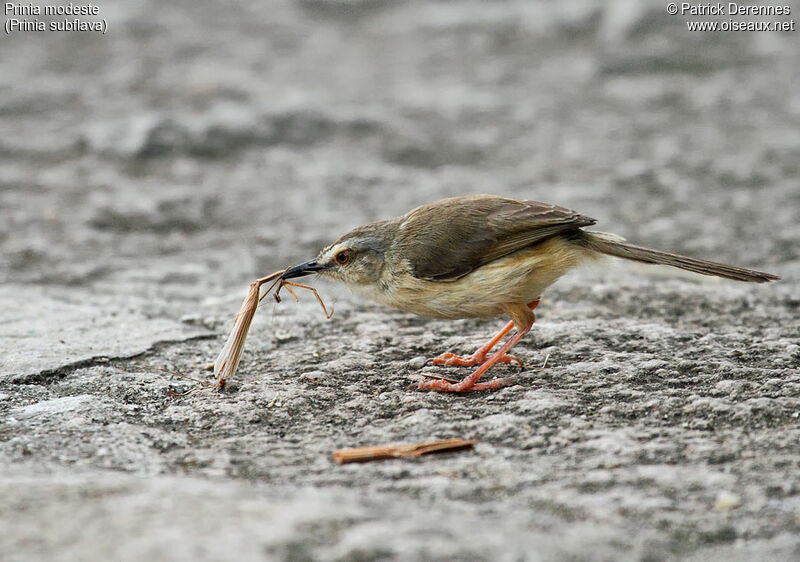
(284, 336)
(727, 501)
(417, 362)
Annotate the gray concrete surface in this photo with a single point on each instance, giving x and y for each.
(146, 176)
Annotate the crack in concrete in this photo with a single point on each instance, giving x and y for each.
(47, 376)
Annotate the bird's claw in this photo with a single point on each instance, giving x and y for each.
(463, 386)
(450, 359)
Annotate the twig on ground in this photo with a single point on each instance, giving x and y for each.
(440, 377)
(383, 452)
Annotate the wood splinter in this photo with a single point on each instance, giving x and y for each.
(383, 452)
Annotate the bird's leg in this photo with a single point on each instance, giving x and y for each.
(471, 382)
(451, 359)
(448, 358)
(523, 318)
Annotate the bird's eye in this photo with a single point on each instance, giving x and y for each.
(343, 257)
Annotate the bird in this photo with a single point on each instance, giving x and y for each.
(480, 256)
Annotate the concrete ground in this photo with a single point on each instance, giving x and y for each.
(147, 175)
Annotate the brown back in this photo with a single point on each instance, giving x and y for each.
(447, 239)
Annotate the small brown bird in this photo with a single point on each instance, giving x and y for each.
(480, 256)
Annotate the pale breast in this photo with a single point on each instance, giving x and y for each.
(518, 278)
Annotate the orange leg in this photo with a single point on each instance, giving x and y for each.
(471, 382)
(448, 358)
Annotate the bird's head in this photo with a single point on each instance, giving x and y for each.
(357, 258)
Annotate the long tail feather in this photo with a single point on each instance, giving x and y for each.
(613, 245)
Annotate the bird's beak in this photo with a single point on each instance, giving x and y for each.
(302, 269)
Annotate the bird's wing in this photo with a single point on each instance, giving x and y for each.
(448, 239)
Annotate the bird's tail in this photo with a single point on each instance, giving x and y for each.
(614, 245)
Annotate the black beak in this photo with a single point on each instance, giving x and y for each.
(306, 268)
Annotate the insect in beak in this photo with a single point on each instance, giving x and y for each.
(228, 358)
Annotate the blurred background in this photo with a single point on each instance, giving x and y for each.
(199, 144)
(148, 174)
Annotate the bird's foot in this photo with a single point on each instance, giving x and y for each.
(466, 385)
(471, 382)
(452, 360)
